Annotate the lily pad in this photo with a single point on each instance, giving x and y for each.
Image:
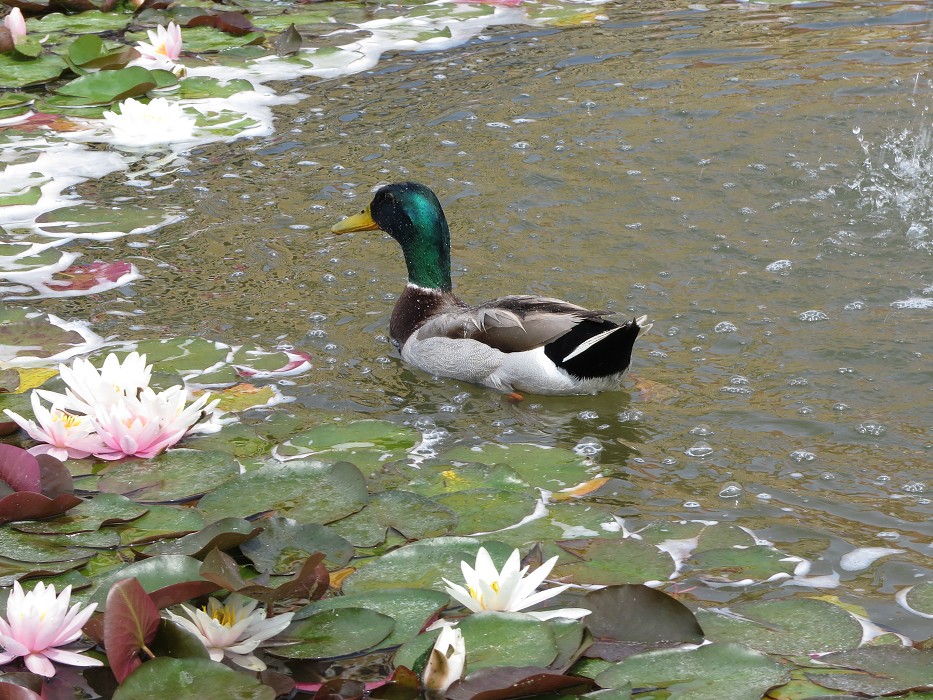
(51, 548)
(882, 670)
(306, 491)
(89, 516)
(741, 564)
(422, 564)
(414, 516)
(43, 69)
(111, 85)
(223, 534)
(437, 479)
(613, 561)
(487, 509)
(919, 599)
(160, 522)
(201, 86)
(176, 475)
(332, 633)
(550, 468)
(12, 570)
(366, 443)
(710, 672)
(190, 679)
(30, 338)
(791, 626)
(284, 545)
(411, 608)
(153, 574)
(637, 613)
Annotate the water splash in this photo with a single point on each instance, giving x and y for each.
(897, 176)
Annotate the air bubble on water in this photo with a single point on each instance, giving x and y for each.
(845, 370)
(317, 317)
(812, 316)
(738, 379)
(461, 398)
(841, 407)
(657, 353)
(425, 423)
(588, 447)
(802, 456)
(737, 390)
(798, 381)
(805, 410)
(672, 331)
(889, 535)
(725, 327)
(448, 408)
(587, 415)
(328, 277)
(731, 490)
(699, 449)
(317, 333)
(855, 306)
(827, 476)
(691, 504)
(763, 496)
(632, 415)
(796, 475)
(779, 265)
(701, 429)
(914, 487)
(871, 428)
(668, 461)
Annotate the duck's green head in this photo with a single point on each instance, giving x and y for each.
(411, 214)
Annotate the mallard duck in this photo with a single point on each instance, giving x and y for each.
(515, 343)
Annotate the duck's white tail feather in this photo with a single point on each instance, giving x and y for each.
(640, 322)
(590, 342)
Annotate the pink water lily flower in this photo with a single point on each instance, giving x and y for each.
(37, 623)
(16, 23)
(148, 425)
(63, 435)
(165, 43)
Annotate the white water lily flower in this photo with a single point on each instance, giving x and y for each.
(509, 590)
(234, 629)
(64, 435)
(146, 124)
(446, 662)
(164, 43)
(39, 622)
(89, 388)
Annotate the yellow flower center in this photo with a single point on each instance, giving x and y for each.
(68, 420)
(227, 615)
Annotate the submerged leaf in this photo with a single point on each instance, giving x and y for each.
(130, 623)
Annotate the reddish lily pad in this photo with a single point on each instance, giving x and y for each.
(307, 491)
(130, 624)
(507, 683)
(190, 679)
(26, 505)
(96, 276)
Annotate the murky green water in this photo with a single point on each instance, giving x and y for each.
(661, 162)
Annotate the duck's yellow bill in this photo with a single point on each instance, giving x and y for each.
(358, 222)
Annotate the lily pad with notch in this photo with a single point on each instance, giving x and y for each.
(284, 544)
(175, 476)
(414, 517)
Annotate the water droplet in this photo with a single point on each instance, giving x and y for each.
(779, 265)
(731, 490)
(588, 446)
(632, 415)
(802, 456)
(812, 316)
(725, 327)
(699, 449)
(701, 429)
(871, 428)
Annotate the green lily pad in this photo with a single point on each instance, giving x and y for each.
(111, 85)
(711, 672)
(569, 520)
(734, 565)
(919, 599)
(90, 515)
(27, 547)
(437, 479)
(205, 39)
(29, 335)
(284, 545)
(722, 536)
(550, 468)
(161, 522)
(411, 608)
(331, 633)
(190, 679)
(43, 69)
(99, 221)
(414, 516)
(12, 570)
(791, 626)
(422, 564)
(306, 491)
(487, 509)
(27, 196)
(201, 86)
(612, 561)
(153, 574)
(176, 475)
(186, 354)
(223, 535)
(883, 670)
(366, 443)
(87, 22)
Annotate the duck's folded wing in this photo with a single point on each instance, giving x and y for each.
(510, 324)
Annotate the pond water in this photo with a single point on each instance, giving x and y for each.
(755, 178)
